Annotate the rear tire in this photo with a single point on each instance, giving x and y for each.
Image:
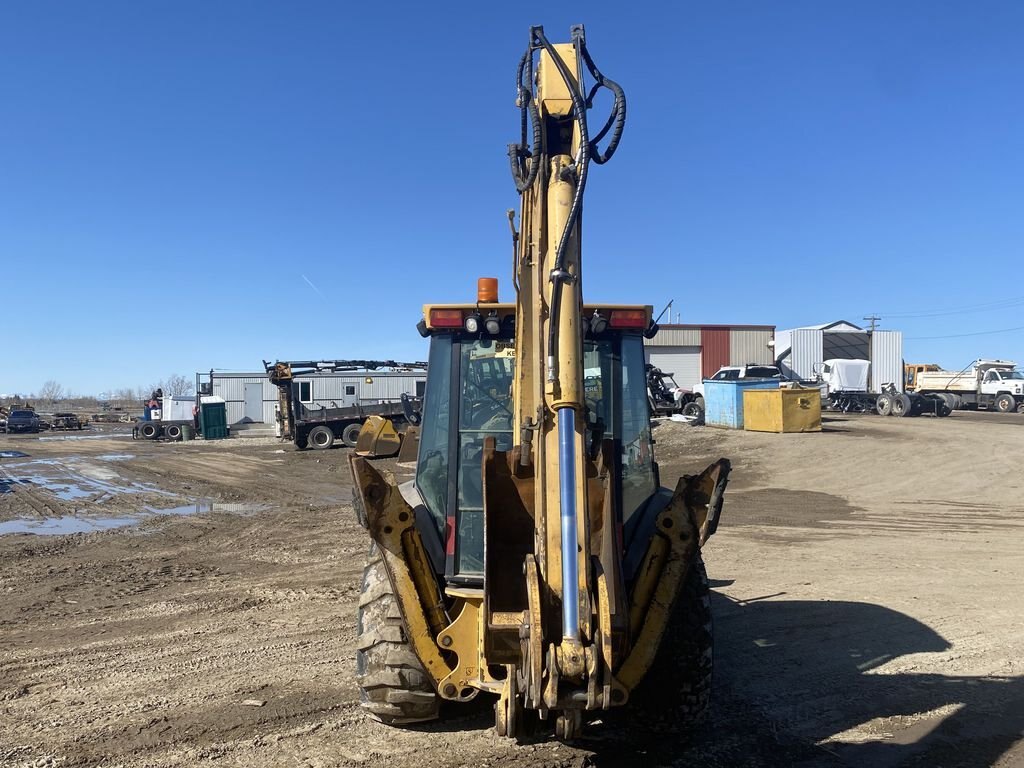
(695, 410)
(678, 685)
(950, 400)
(901, 405)
(350, 434)
(393, 686)
(173, 432)
(321, 438)
(1005, 403)
(149, 430)
(883, 405)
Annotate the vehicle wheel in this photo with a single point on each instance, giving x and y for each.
(694, 410)
(149, 430)
(883, 405)
(901, 405)
(942, 409)
(321, 438)
(393, 686)
(173, 431)
(950, 400)
(679, 681)
(1020, 408)
(350, 434)
(1005, 403)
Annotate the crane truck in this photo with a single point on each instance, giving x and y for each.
(320, 428)
(536, 555)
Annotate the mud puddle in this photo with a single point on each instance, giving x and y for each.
(106, 436)
(75, 479)
(70, 524)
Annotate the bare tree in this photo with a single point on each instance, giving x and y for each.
(176, 384)
(125, 395)
(51, 392)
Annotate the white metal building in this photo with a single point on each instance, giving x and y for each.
(251, 398)
(695, 352)
(799, 352)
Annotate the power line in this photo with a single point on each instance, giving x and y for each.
(962, 335)
(965, 309)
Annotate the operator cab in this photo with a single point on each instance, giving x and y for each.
(469, 398)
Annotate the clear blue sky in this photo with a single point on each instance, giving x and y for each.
(170, 170)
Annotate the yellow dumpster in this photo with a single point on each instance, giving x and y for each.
(782, 410)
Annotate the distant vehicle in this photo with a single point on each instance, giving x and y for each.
(736, 372)
(66, 421)
(667, 397)
(990, 384)
(848, 389)
(23, 421)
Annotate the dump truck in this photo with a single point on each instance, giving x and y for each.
(912, 370)
(385, 418)
(986, 384)
(535, 556)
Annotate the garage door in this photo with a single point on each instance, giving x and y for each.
(683, 362)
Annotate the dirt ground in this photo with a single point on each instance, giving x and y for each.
(867, 594)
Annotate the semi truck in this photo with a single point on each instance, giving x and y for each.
(846, 389)
(172, 416)
(986, 384)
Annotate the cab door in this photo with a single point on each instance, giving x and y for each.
(991, 382)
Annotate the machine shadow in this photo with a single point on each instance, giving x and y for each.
(791, 674)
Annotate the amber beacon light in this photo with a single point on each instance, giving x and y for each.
(487, 290)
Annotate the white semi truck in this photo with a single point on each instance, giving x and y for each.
(990, 384)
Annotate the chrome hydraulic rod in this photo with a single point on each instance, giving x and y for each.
(570, 544)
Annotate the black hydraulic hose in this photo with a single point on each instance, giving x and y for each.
(617, 118)
(518, 153)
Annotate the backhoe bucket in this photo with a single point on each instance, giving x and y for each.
(378, 438)
(410, 445)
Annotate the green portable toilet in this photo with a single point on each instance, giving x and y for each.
(213, 417)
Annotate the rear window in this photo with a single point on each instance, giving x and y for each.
(762, 372)
(22, 414)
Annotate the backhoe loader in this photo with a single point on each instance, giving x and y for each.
(535, 556)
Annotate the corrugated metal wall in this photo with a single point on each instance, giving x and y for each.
(806, 344)
(675, 337)
(750, 345)
(715, 353)
(886, 359)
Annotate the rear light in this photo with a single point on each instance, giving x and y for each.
(628, 318)
(446, 318)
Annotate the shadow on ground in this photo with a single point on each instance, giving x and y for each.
(792, 674)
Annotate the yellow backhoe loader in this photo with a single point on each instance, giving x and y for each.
(535, 555)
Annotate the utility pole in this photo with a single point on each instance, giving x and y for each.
(873, 319)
